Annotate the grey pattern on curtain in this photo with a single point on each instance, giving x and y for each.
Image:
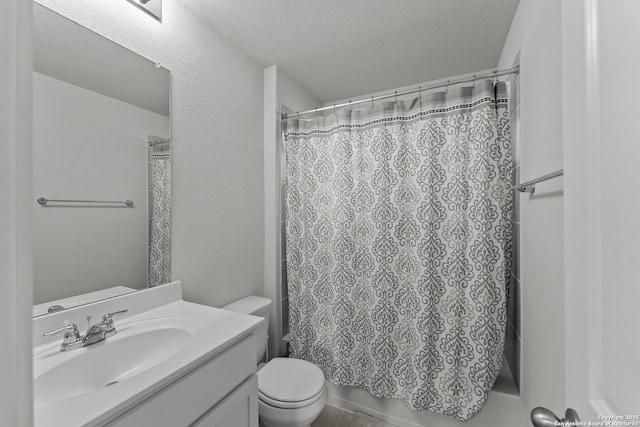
(398, 242)
(160, 238)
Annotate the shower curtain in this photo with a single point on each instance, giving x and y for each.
(160, 238)
(398, 239)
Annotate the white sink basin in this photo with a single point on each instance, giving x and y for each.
(160, 340)
(137, 347)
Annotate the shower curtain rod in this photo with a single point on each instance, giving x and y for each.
(466, 78)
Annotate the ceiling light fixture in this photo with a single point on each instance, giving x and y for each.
(151, 7)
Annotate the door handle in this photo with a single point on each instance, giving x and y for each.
(542, 417)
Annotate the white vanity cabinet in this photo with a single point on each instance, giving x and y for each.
(239, 409)
(222, 392)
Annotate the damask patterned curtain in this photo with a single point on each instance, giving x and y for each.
(160, 238)
(398, 246)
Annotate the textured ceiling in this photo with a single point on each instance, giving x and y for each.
(342, 48)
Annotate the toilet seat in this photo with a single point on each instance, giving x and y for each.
(290, 383)
(271, 416)
(291, 405)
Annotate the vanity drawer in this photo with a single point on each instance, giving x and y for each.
(186, 400)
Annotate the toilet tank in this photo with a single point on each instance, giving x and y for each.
(256, 306)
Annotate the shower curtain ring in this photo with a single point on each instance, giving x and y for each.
(372, 105)
(396, 96)
(446, 89)
(473, 85)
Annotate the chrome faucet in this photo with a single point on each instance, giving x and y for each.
(72, 338)
(103, 330)
(95, 333)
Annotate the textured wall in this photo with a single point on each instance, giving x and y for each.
(535, 34)
(217, 223)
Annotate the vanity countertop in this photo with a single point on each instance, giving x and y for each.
(215, 330)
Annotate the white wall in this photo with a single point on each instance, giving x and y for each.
(279, 90)
(292, 95)
(87, 146)
(217, 156)
(536, 34)
(15, 213)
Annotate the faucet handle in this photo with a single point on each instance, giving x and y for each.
(71, 336)
(107, 321)
(108, 316)
(70, 328)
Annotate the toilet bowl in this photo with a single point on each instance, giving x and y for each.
(291, 392)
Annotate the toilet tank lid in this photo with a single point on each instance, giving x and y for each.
(252, 304)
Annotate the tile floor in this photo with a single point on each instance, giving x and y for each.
(333, 417)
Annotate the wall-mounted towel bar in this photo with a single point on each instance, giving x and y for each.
(530, 186)
(44, 201)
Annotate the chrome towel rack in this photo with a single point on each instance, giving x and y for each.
(44, 201)
(530, 186)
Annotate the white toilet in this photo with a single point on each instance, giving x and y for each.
(291, 392)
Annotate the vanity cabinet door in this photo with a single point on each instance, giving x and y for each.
(240, 409)
(183, 402)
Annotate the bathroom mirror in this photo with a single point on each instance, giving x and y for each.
(101, 137)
